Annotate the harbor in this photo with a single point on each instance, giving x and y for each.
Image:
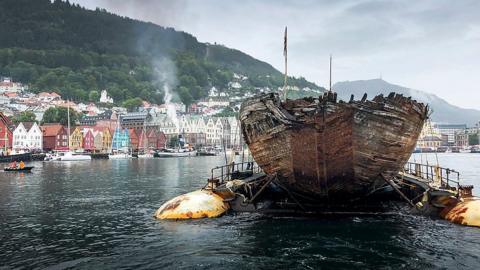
(83, 214)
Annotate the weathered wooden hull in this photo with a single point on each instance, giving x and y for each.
(332, 150)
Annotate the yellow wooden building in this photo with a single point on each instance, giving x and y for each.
(106, 140)
(76, 139)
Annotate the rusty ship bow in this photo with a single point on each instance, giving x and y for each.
(332, 150)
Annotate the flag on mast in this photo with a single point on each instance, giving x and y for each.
(285, 55)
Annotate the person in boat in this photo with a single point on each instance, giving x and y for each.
(13, 164)
(22, 164)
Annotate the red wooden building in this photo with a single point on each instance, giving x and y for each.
(6, 134)
(88, 140)
(133, 138)
(55, 137)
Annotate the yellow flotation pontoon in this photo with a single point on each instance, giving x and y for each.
(197, 204)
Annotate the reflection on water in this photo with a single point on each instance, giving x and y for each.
(98, 214)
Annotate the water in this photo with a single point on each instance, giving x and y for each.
(98, 215)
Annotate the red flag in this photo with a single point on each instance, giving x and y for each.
(285, 43)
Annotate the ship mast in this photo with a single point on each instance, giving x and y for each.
(330, 82)
(285, 55)
(68, 123)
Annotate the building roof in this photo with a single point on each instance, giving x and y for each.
(51, 129)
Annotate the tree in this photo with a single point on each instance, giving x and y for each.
(26, 116)
(93, 96)
(59, 115)
(185, 95)
(132, 104)
(473, 139)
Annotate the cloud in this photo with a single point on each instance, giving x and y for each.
(431, 45)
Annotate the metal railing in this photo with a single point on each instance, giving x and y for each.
(227, 172)
(444, 177)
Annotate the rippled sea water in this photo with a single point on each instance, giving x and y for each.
(99, 215)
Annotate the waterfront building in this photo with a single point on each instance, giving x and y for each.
(106, 139)
(27, 136)
(152, 137)
(76, 140)
(134, 119)
(121, 139)
(432, 142)
(196, 139)
(54, 137)
(88, 143)
(6, 134)
(91, 120)
(134, 138)
(461, 139)
(450, 130)
(98, 141)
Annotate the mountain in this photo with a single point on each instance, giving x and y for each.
(77, 52)
(443, 111)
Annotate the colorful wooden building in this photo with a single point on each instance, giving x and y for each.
(76, 139)
(6, 133)
(54, 137)
(88, 143)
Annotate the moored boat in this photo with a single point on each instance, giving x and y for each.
(332, 150)
(177, 153)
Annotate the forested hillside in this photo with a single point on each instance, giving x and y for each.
(78, 52)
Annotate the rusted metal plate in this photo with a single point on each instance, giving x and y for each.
(193, 205)
(465, 212)
(330, 149)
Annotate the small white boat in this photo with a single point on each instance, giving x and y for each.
(120, 156)
(177, 153)
(147, 155)
(69, 156)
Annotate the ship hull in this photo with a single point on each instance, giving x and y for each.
(331, 150)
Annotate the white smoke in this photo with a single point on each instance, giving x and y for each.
(165, 73)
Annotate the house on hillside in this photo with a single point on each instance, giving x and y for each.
(54, 137)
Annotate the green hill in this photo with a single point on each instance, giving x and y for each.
(78, 52)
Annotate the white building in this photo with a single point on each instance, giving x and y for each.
(7, 85)
(27, 136)
(104, 98)
(214, 102)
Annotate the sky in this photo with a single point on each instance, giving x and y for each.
(429, 45)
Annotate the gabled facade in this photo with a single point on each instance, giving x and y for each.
(106, 140)
(27, 136)
(76, 140)
(54, 137)
(19, 141)
(88, 143)
(134, 139)
(98, 141)
(6, 134)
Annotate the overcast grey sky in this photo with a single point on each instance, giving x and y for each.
(432, 46)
